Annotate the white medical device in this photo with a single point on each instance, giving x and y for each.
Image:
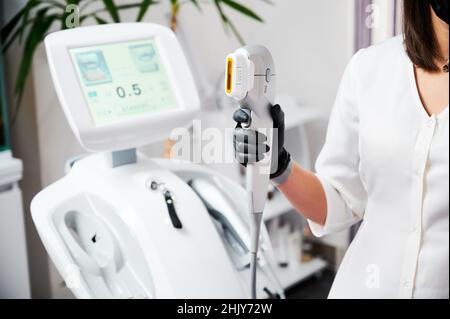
(250, 79)
(119, 224)
(128, 77)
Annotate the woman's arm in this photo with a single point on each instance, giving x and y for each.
(301, 187)
(334, 198)
(305, 192)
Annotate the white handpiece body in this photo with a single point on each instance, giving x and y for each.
(250, 79)
(256, 94)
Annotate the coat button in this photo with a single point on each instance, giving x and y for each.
(406, 284)
(431, 122)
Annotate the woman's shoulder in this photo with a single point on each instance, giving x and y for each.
(384, 50)
(387, 46)
(387, 56)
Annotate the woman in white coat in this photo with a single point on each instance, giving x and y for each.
(385, 163)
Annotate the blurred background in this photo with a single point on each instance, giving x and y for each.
(311, 42)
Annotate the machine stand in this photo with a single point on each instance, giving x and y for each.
(123, 157)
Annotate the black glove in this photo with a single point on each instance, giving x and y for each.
(250, 146)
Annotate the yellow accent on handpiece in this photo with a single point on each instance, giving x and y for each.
(229, 75)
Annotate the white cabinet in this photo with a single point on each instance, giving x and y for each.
(14, 275)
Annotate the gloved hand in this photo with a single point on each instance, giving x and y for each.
(250, 147)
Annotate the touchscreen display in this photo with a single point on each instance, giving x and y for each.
(122, 80)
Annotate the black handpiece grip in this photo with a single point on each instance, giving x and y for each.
(172, 211)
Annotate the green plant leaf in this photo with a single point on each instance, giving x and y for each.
(196, 4)
(242, 9)
(143, 9)
(121, 7)
(100, 20)
(236, 33)
(227, 23)
(12, 24)
(16, 27)
(41, 25)
(112, 9)
(86, 4)
(24, 23)
(222, 15)
(55, 3)
(76, 2)
(21, 31)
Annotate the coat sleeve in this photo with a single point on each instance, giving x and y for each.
(337, 166)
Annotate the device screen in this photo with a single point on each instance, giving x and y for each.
(123, 79)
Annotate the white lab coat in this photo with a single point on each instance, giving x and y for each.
(386, 162)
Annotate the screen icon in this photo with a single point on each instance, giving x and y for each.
(143, 57)
(93, 68)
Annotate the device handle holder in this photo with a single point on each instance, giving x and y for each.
(96, 255)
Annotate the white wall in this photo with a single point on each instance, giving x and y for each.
(311, 42)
